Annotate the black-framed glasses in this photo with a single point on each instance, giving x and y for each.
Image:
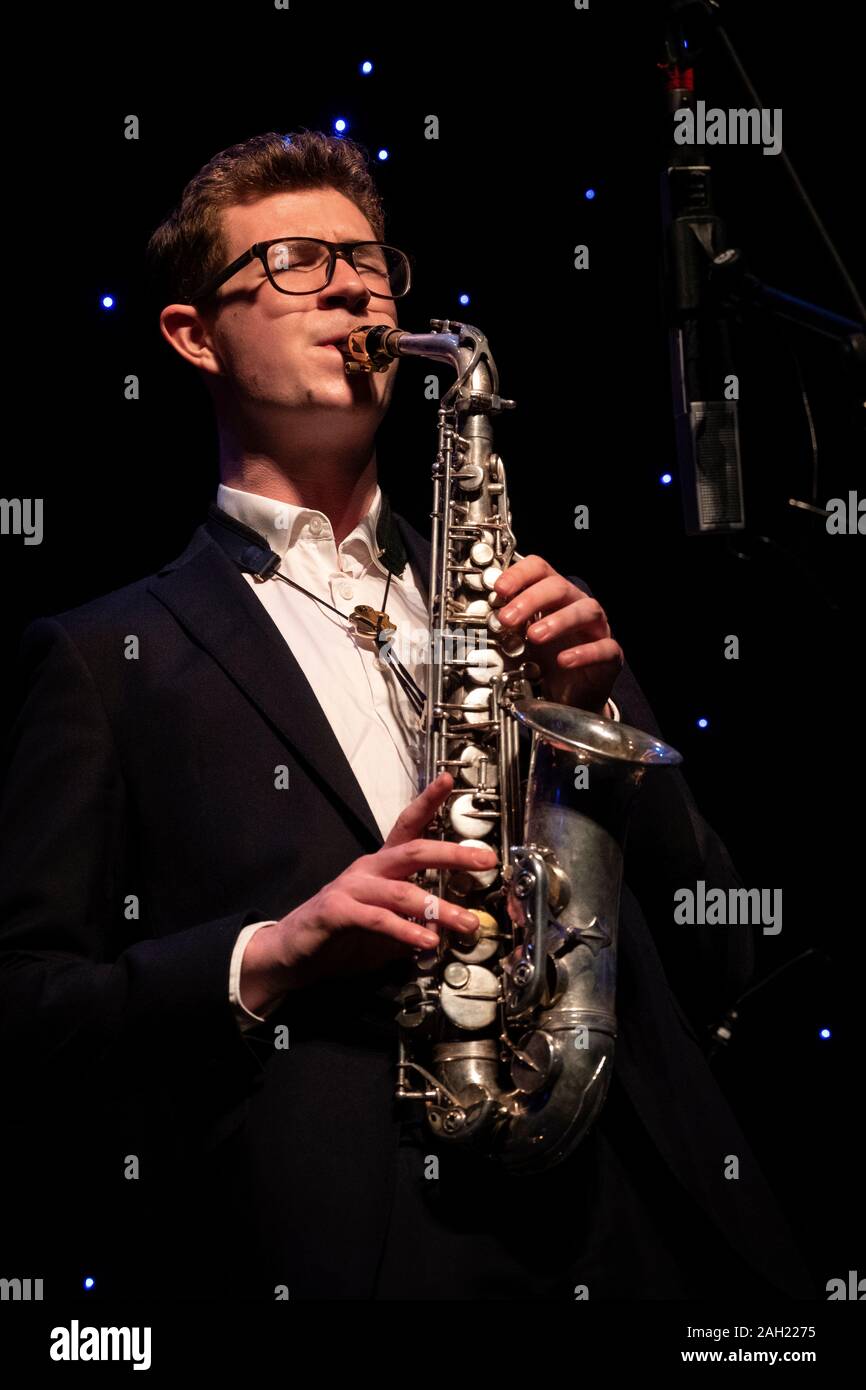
(305, 265)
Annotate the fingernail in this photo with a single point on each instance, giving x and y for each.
(428, 938)
(484, 856)
(468, 919)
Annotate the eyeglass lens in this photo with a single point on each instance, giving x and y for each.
(302, 267)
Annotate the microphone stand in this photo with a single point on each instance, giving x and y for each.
(730, 284)
(710, 10)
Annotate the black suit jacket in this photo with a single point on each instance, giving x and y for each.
(141, 830)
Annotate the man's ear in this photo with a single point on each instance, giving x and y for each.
(189, 333)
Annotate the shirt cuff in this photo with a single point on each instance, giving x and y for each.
(614, 714)
(245, 1019)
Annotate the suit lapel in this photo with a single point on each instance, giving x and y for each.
(213, 603)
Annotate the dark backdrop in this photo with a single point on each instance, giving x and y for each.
(536, 103)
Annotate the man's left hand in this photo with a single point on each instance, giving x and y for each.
(567, 633)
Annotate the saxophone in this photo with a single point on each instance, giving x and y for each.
(508, 1037)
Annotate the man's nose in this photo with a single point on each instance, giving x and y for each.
(346, 284)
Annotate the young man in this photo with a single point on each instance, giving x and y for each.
(236, 819)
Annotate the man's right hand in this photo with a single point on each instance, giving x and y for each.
(359, 921)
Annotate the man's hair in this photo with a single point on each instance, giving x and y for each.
(188, 247)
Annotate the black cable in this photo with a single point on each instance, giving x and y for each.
(412, 690)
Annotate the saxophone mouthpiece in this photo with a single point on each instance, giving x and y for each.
(371, 347)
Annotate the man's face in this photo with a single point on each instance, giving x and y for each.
(267, 342)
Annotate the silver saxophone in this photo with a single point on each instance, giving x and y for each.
(508, 1037)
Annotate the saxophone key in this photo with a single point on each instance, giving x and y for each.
(481, 554)
(482, 665)
(468, 820)
(470, 996)
(465, 881)
(478, 608)
(478, 766)
(484, 945)
(476, 705)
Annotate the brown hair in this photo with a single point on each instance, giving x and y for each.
(188, 248)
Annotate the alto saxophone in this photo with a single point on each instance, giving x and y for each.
(508, 1037)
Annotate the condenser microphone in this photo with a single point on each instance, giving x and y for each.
(705, 388)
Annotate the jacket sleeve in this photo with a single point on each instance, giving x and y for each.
(669, 847)
(76, 993)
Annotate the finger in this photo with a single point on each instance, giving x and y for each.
(604, 654)
(381, 920)
(419, 813)
(517, 576)
(410, 900)
(584, 617)
(550, 593)
(401, 861)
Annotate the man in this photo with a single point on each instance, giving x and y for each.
(224, 863)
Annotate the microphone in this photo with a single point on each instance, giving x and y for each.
(706, 421)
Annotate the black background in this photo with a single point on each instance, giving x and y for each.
(535, 103)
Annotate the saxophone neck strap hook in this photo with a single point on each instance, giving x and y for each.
(252, 554)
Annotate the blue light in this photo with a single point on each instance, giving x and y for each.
(340, 125)
(107, 301)
(702, 723)
(367, 67)
(825, 1033)
(589, 194)
(685, 43)
(88, 1283)
(382, 154)
(463, 298)
(666, 478)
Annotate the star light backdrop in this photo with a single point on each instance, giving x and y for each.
(551, 134)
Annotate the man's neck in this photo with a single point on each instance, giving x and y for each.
(342, 489)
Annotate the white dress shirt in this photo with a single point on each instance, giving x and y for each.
(369, 712)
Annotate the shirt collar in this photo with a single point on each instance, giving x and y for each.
(283, 524)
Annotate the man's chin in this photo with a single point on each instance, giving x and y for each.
(345, 393)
